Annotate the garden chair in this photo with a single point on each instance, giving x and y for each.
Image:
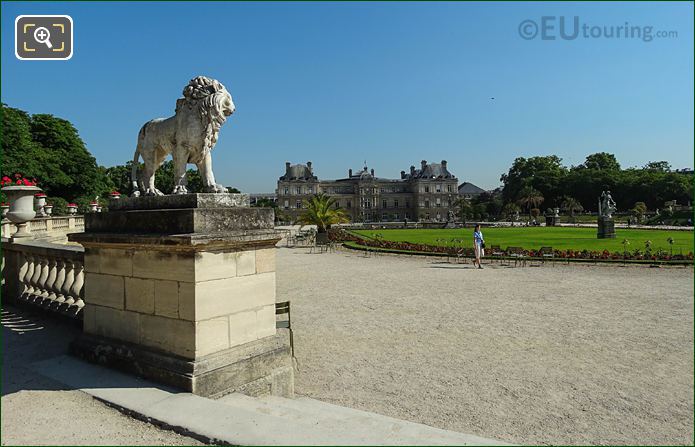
(517, 253)
(547, 253)
(283, 308)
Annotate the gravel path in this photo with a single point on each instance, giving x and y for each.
(39, 411)
(550, 355)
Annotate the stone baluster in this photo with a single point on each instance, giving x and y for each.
(69, 280)
(43, 293)
(35, 278)
(26, 280)
(76, 290)
(51, 280)
(60, 279)
(23, 263)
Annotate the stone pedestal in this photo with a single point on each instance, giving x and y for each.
(606, 228)
(181, 289)
(552, 221)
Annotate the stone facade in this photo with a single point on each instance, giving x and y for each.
(426, 194)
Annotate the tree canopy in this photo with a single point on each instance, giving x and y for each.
(653, 184)
(50, 149)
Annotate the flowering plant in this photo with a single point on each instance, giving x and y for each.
(40, 194)
(18, 180)
(72, 205)
(94, 202)
(115, 193)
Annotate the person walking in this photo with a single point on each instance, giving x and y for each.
(478, 245)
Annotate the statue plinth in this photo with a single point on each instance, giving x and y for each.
(181, 289)
(552, 221)
(606, 228)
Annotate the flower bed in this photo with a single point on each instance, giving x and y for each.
(455, 250)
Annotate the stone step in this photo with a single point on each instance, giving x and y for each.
(241, 420)
(352, 426)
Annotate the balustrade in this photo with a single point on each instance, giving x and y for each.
(44, 274)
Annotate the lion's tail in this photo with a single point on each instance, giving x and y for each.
(134, 167)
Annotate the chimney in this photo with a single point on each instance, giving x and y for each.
(308, 165)
(287, 167)
(444, 164)
(412, 170)
(349, 172)
(402, 174)
(423, 163)
(372, 172)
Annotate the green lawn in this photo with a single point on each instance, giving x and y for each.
(537, 237)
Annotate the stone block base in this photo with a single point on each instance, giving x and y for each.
(552, 221)
(262, 367)
(606, 228)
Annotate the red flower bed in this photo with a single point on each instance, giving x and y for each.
(342, 235)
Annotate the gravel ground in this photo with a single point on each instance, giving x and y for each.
(536, 355)
(39, 411)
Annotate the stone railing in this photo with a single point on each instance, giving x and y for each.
(44, 274)
(49, 228)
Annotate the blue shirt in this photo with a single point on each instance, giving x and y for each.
(478, 236)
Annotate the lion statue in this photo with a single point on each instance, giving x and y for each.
(188, 136)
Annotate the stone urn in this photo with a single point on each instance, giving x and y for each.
(93, 207)
(98, 209)
(5, 208)
(21, 207)
(48, 209)
(39, 203)
(72, 209)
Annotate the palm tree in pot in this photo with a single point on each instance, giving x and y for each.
(323, 212)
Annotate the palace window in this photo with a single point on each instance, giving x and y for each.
(438, 188)
(298, 190)
(395, 203)
(439, 202)
(427, 188)
(287, 204)
(349, 203)
(407, 203)
(449, 188)
(310, 189)
(407, 215)
(287, 190)
(384, 204)
(298, 204)
(427, 216)
(427, 203)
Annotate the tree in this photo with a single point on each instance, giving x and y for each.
(639, 210)
(464, 209)
(602, 161)
(321, 211)
(658, 166)
(530, 198)
(51, 150)
(545, 174)
(571, 205)
(510, 210)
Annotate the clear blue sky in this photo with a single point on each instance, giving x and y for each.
(392, 83)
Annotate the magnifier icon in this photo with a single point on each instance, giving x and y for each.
(42, 35)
